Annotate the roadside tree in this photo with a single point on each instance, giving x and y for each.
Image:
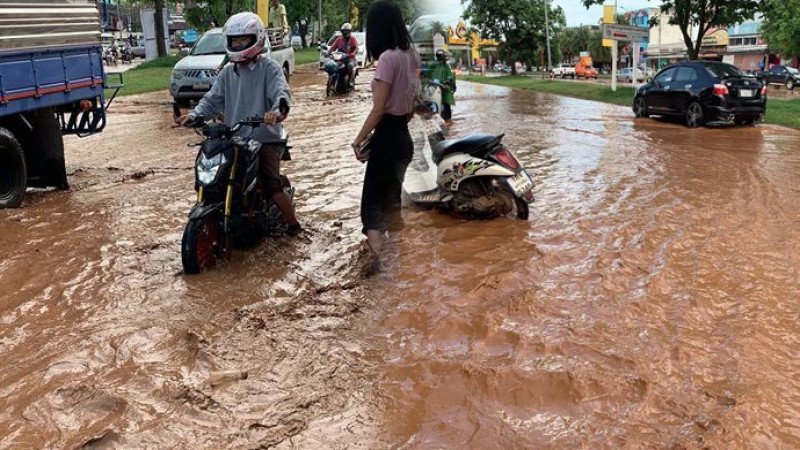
(518, 25)
(781, 27)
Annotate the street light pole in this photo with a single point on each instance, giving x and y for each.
(547, 35)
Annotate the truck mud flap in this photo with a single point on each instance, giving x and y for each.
(12, 171)
(44, 151)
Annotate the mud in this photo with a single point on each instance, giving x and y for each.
(648, 303)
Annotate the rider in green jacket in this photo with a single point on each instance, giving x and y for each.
(440, 70)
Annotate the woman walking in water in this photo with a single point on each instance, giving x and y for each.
(394, 88)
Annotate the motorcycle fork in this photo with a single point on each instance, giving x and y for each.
(229, 193)
(200, 195)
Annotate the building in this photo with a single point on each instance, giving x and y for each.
(665, 41)
(746, 48)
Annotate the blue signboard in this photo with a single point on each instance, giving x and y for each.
(190, 37)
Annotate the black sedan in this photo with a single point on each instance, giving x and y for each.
(703, 92)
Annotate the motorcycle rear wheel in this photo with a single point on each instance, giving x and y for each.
(201, 245)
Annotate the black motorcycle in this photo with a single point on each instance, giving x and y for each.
(231, 209)
(336, 66)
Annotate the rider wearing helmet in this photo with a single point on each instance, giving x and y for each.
(440, 70)
(347, 43)
(252, 86)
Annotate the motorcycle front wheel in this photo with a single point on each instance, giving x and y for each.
(201, 245)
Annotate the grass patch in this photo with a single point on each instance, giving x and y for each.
(164, 61)
(586, 91)
(779, 112)
(306, 55)
(783, 112)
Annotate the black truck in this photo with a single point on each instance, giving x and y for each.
(783, 75)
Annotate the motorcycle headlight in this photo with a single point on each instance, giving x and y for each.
(178, 74)
(208, 168)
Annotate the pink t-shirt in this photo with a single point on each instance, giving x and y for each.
(399, 68)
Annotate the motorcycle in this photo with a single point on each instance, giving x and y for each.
(126, 55)
(475, 175)
(110, 55)
(336, 66)
(231, 209)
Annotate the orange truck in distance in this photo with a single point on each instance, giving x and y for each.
(584, 67)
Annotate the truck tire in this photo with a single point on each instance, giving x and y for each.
(790, 84)
(13, 173)
(44, 150)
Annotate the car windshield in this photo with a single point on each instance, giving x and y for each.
(722, 70)
(210, 44)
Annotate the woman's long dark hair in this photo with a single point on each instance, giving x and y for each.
(386, 29)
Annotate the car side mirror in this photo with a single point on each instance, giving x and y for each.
(650, 80)
(322, 47)
(185, 52)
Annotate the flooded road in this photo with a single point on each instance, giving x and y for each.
(650, 302)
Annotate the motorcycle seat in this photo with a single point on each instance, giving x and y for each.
(472, 144)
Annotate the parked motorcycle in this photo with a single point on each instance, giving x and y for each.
(475, 175)
(336, 66)
(231, 210)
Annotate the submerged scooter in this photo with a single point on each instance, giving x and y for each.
(475, 175)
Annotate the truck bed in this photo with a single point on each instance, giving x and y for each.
(48, 23)
(33, 79)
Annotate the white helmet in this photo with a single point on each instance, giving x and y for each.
(244, 24)
(346, 28)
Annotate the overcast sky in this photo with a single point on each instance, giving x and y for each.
(576, 13)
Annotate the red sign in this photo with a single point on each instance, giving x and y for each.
(619, 35)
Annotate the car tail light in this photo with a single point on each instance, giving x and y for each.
(505, 157)
(721, 89)
(764, 90)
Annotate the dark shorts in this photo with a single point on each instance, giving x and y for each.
(269, 160)
(392, 150)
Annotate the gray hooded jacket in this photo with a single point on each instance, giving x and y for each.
(256, 89)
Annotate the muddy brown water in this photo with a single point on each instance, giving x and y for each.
(650, 302)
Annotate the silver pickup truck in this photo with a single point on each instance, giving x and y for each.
(194, 74)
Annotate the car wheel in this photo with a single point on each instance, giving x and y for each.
(694, 115)
(640, 107)
(790, 84)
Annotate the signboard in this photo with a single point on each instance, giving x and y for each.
(624, 32)
(728, 58)
(717, 38)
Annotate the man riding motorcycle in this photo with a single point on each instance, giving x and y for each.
(440, 70)
(252, 85)
(347, 43)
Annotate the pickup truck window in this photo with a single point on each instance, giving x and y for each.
(210, 44)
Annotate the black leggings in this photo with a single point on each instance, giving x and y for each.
(392, 150)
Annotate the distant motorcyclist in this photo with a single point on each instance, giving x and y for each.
(347, 43)
(440, 70)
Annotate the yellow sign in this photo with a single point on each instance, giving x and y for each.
(717, 38)
(461, 30)
(608, 17)
(262, 9)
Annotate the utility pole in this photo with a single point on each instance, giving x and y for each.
(547, 35)
(320, 22)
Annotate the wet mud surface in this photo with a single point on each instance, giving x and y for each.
(650, 302)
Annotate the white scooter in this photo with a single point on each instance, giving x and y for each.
(474, 175)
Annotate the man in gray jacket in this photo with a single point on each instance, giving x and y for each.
(252, 86)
